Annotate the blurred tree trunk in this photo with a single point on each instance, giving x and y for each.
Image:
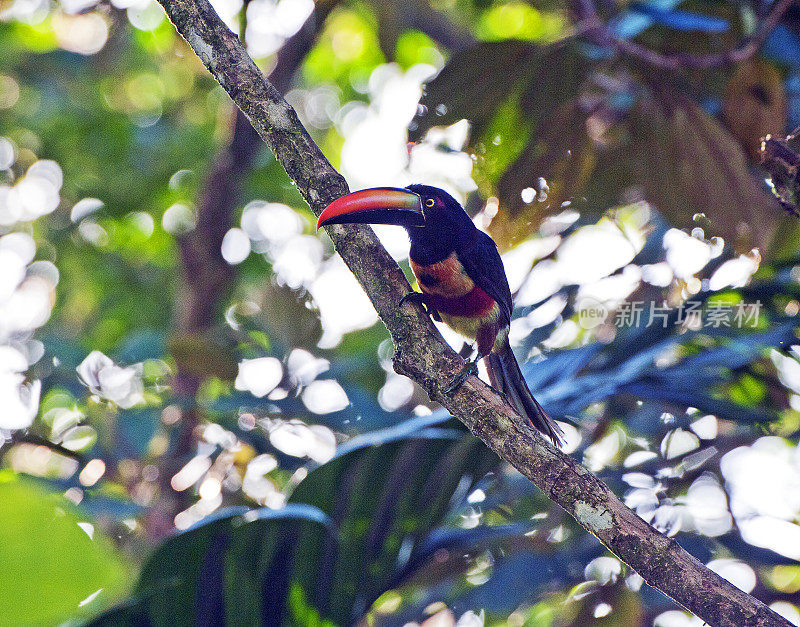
(206, 278)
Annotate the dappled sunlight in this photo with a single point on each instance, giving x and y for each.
(190, 474)
(604, 244)
(324, 397)
(396, 392)
(179, 219)
(235, 246)
(20, 400)
(686, 254)
(28, 11)
(375, 150)
(735, 571)
(342, 303)
(84, 34)
(33, 195)
(259, 376)
(764, 484)
(122, 386)
(188, 362)
(298, 439)
(270, 225)
(297, 263)
(735, 272)
(304, 367)
(146, 15)
(27, 290)
(229, 10)
(257, 485)
(270, 22)
(707, 507)
(275, 230)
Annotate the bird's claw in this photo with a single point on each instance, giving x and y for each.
(467, 350)
(470, 368)
(421, 300)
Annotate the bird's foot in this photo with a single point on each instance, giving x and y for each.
(467, 351)
(470, 368)
(423, 301)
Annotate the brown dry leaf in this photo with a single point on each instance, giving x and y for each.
(688, 163)
(754, 104)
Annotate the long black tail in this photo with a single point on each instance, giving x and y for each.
(506, 377)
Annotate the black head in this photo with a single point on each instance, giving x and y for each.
(415, 207)
(435, 221)
(440, 209)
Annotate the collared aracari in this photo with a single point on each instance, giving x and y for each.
(461, 278)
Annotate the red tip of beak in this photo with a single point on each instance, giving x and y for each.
(381, 205)
(338, 208)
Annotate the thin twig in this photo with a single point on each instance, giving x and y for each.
(602, 35)
(422, 354)
(25, 437)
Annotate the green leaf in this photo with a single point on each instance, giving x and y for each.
(237, 563)
(415, 47)
(518, 20)
(52, 567)
(347, 51)
(384, 491)
(334, 549)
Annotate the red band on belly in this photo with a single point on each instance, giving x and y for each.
(474, 304)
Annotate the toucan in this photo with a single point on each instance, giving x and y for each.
(461, 277)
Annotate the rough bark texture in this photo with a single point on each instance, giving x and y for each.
(781, 158)
(422, 354)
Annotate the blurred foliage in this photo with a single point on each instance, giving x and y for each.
(595, 130)
(370, 522)
(272, 466)
(54, 559)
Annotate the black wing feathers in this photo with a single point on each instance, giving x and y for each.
(484, 266)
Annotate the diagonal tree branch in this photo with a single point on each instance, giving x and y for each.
(425, 357)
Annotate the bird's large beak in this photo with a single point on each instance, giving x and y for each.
(381, 205)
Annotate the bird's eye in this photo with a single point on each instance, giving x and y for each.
(430, 202)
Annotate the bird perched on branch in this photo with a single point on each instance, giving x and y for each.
(461, 277)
